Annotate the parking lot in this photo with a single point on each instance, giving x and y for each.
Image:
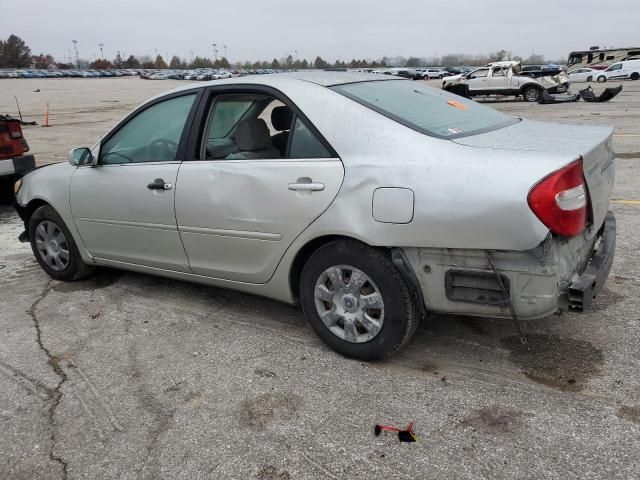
(126, 375)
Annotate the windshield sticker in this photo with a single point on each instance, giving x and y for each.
(456, 104)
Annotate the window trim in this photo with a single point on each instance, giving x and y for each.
(194, 140)
(183, 136)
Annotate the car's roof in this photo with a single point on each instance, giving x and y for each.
(318, 77)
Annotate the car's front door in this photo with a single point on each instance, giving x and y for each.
(478, 81)
(239, 210)
(124, 207)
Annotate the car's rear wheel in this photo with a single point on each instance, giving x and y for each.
(54, 247)
(531, 94)
(357, 301)
(602, 78)
(590, 78)
(634, 76)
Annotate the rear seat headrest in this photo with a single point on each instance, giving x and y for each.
(281, 118)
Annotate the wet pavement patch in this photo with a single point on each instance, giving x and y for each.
(495, 419)
(566, 364)
(631, 413)
(263, 409)
(269, 472)
(102, 278)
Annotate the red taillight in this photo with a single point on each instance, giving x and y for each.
(14, 130)
(560, 200)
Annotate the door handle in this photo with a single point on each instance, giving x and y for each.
(158, 184)
(311, 187)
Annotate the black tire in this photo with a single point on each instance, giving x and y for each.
(531, 94)
(75, 268)
(401, 316)
(602, 79)
(590, 78)
(635, 76)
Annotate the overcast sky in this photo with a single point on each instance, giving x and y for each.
(259, 29)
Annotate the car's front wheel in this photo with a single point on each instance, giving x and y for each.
(634, 76)
(357, 301)
(54, 247)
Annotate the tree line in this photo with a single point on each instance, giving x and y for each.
(14, 53)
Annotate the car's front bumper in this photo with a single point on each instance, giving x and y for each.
(583, 290)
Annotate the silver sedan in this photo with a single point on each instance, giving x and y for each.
(370, 200)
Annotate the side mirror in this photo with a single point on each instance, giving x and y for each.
(81, 156)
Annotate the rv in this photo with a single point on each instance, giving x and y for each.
(600, 58)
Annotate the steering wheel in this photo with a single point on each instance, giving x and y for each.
(161, 149)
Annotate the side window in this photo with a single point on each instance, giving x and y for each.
(497, 72)
(304, 143)
(152, 135)
(480, 73)
(617, 66)
(225, 116)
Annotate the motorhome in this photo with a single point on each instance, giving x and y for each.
(600, 58)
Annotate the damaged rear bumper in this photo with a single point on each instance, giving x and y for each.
(583, 290)
(557, 275)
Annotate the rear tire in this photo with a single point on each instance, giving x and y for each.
(531, 94)
(54, 247)
(590, 78)
(370, 312)
(602, 79)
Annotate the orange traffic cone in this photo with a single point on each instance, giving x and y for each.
(46, 115)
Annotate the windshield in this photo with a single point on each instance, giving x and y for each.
(427, 110)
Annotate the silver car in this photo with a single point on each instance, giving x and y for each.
(370, 200)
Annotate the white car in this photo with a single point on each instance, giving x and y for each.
(626, 70)
(371, 200)
(583, 74)
(430, 73)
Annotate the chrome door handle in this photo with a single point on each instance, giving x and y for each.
(158, 184)
(311, 187)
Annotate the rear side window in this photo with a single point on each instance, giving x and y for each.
(226, 115)
(427, 110)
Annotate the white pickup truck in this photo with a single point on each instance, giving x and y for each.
(505, 78)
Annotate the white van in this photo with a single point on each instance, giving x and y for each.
(628, 69)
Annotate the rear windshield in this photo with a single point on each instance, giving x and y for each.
(427, 110)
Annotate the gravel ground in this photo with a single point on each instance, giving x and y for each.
(131, 376)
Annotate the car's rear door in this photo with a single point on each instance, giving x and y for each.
(237, 217)
(124, 207)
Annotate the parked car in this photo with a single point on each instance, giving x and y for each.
(430, 73)
(629, 69)
(356, 195)
(505, 78)
(583, 74)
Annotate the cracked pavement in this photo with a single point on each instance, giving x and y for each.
(130, 376)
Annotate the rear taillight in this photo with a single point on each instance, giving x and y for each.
(15, 130)
(560, 200)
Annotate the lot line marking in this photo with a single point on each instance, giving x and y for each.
(626, 202)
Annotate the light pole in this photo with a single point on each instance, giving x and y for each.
(225, 52)
(75, 46)
(215, 52)
(101, 52)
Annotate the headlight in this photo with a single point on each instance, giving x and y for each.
(17, 185)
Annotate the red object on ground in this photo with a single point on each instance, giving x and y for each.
(404, 435)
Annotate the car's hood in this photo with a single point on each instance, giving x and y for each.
(566, 143)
